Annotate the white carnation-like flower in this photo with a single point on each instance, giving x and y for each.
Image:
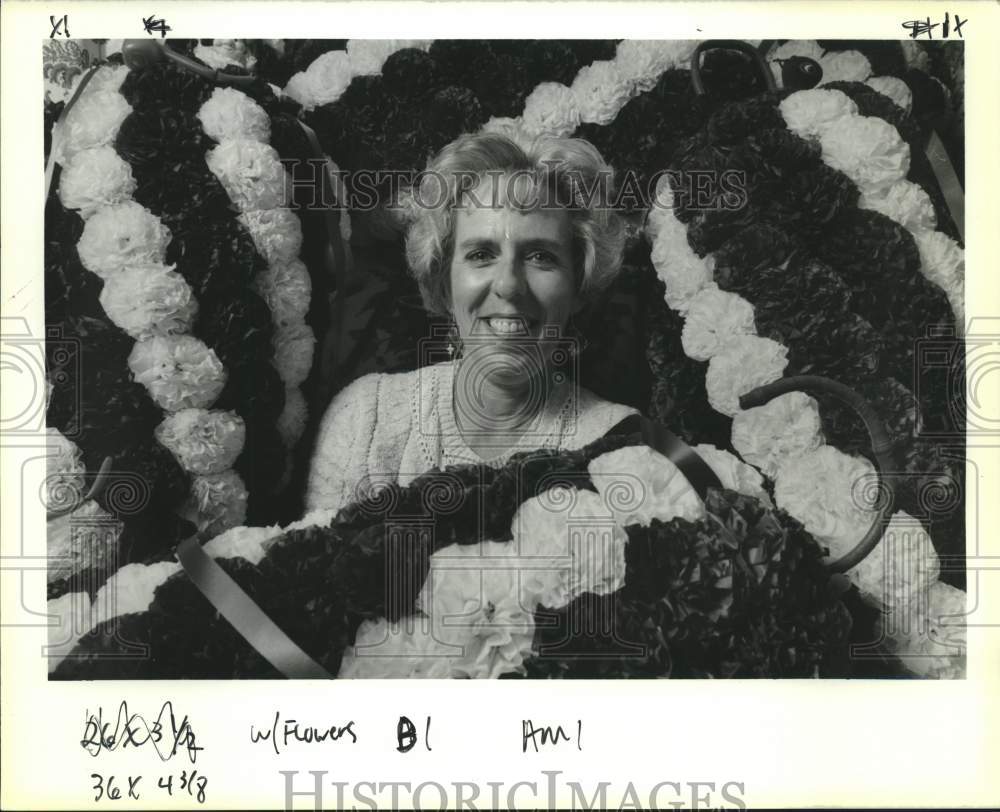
(367, 56)
(323, 82)
(904, 202)
(807, 48)
(217, 502)
(639, 484)
(287, 289)
(809, 113)
(276, 233)
(322, 517)
(868, 150)
(180, 372)
(119, 236)
(293, 352)
(473, 599)
(204, 442)
(406, 649)
(93, 121)
(661, 211)
(513, 128)
(64, 471)
(830, 493)
(902, 565)
(84, 539)
(601, 90)
(94, 178)
(683, 272)
(788, 426)
(914, 55)
(743, 364)
(292, 420)
(895, 88)
(72, 614)
(224, 52)
(149, 300)
(250, 543)
(942, 261)
(232, 114)
(569, 543)
(108, 77)
(551, 109)
(713, 317)
(131, 589)
(929, 634)
(642, 62)
(733, 473)
(845, 66)
(251, 174)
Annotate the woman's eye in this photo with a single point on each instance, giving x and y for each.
(478, 256)
(543, 258)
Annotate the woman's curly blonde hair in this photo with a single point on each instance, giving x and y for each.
(568, 171)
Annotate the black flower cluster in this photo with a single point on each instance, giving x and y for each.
(740, 593)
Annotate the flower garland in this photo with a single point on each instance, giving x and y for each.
(568, 552)
(326, 78)
(149, 279)
(814, 482)
(126, 245)
(259, 187)
(871, 153)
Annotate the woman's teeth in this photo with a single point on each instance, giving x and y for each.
(507, 326)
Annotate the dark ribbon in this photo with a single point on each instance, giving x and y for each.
(245, 615)
(948, 181)
(695, 470)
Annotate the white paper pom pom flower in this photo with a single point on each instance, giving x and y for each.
(713, 318)
(551, 109)
(788, 426)
(93, 178)
(203, 442)
(122, 235)
(287, 288)
(276, 233)
(743, 364)
(868, 150)
(149, 300)
(251, 174)
(231, 114)
(180, 372)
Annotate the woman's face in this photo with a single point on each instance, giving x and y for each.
(512, 282)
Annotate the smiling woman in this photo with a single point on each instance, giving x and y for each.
(521, 242)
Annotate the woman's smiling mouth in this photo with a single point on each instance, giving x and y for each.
(509, 325)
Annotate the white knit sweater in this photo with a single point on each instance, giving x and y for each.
(390, 428)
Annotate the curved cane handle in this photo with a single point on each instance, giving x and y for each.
(881, 445)
(730, 45)
(141, 53)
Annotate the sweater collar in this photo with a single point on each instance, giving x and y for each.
(544, 431)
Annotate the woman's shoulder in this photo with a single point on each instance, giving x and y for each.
(594, 416)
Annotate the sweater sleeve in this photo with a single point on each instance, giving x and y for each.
(339, 464)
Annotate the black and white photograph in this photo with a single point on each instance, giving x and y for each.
(504, 358)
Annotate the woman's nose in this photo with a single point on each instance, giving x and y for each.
(509, 278)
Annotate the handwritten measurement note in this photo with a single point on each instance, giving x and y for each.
(165, 735)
